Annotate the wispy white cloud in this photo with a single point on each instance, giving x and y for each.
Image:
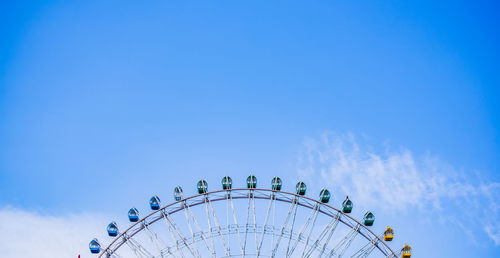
(30, 234)
(398, 180)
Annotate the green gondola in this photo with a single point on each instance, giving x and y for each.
(202, 186)
(301, 188)
(251, 181)
(324, 196)
(369, 218)
(227, 183)
(347, 205)
(276, 184)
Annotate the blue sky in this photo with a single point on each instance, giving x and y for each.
(104, 103)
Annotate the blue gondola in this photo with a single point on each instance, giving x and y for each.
(178, 193)
(112, 229)
(94, 246)
(154, 203)
(133, 214)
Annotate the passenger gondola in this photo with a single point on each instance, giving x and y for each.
(154, 203)
(133, 214)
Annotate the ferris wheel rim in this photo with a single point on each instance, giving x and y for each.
(161, 209)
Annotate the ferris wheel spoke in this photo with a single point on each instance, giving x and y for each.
(227, 223)
(246, 225)
(310, 231)
(343, 244)
(139, 250)
(283, 227)
(366, 249)
(312, 216)
(328, 230)
(274, 220)
(395, 255)
(156, 240)
(172, 235)
(217, 224)
(209, 221)
(242, 246)
(346, 246)
(191, 229)
(255, 225)
(291, 229)
(134, 249)
(259, 246)
(176, 229)
(197, 225)
(110, 254)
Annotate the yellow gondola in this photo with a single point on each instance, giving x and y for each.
(406, 251)
(388, 234)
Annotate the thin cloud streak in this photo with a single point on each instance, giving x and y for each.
(399, 181)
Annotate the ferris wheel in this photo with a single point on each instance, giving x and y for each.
(247, 222)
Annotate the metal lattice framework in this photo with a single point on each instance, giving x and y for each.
(257, 223)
